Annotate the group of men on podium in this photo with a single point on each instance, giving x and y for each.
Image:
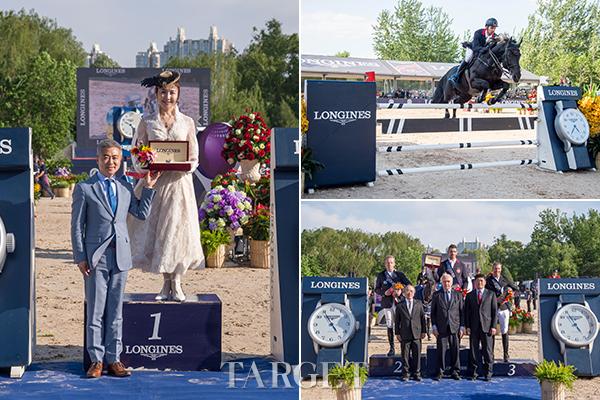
(453, 314)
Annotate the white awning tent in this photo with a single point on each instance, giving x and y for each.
(352, 68)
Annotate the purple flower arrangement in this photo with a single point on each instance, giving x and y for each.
(63, 171)
(225, 208)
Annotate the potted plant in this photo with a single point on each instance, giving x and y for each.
(213, 244)
(258, 229)
(347, 380)
(554, 379)
(61, 188)
(249, 142)
(309, 165)
(527, 322)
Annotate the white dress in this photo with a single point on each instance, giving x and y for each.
(168, 241)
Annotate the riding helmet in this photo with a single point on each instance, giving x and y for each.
(491, 22)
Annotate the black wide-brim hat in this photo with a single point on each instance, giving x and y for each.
(161, 80)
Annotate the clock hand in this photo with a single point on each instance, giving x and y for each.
(574, 323)
(331, 323)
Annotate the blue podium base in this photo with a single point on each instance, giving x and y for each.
(169, 335)
(497, 389)
(384, 366)
(66, 381)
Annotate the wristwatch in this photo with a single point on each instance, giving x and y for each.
(575, 327)
(331, 326)
(571, 127)
(7, 244)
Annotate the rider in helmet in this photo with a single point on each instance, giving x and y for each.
(480, 39)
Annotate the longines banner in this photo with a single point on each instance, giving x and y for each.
(99, 90)
(342, 122)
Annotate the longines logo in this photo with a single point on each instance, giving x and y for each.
(5, 146)
(341, 117)
(334, 285)
(571, 286)
(154, 351)
(110, 71)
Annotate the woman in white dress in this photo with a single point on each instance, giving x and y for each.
(168, 241)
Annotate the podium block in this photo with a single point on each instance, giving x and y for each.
(383, 365)
(169, 335)
(519, 368)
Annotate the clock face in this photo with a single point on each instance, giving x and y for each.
(128, 123)
(330, 325)
(573, 126)
(575, 325)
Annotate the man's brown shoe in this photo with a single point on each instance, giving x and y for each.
(118, 369)
(95, 370)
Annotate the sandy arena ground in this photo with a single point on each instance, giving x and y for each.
(243, 291)
(498, 182)
(522, 346)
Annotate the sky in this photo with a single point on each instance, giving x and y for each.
(122, 28)
(437, 223)
(328, 27)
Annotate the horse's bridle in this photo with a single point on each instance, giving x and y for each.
(505, 71)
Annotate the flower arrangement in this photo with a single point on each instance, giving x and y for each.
(259, 223)
(461, 291)
(249, 138)
(63, 172)
(589, 105)
(227, 179)
(37, 191)
(144, 155)
(304, 124)
(514, 320)
(527, 317)
(211, 240)
(225, 207)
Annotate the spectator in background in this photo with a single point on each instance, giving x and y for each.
(41, 176)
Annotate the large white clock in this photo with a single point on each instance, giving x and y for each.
(128, 123)
(331, 325)
(572, 127)
(575, 325)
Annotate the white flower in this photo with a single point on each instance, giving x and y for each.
(258, 131)
(255, 137)
(252, 116)
(238, 131)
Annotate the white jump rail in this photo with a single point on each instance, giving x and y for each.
(456, 167)
(445, 146)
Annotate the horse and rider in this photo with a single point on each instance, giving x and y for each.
(487, 59)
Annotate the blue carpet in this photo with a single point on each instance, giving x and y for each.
(497, 389)
(66, 380)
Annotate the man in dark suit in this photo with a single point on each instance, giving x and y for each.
(384, 286)
(410, 330)
(503, 288)
(447, 326)
(455, 268)
(480, 320)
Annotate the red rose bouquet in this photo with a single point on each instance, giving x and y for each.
(249, 138)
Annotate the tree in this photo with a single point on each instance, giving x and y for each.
(414, 33)
(226, 99)
(271, 62)
(510, 254)
(562, 40)
(104, 61)
(26, 34)
(342, 54)
(584, 235)
(43, 98)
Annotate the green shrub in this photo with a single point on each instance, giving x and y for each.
(60, 184)
(550, 371)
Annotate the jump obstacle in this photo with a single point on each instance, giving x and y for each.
(342, 117)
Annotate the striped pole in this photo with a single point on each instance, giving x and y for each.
(466, 145)
(455, 167)
(452, 106)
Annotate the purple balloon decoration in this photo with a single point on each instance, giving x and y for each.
(210, 144)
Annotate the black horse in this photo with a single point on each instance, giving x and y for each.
(484, 73)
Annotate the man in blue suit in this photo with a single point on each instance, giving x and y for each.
(101, 251)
